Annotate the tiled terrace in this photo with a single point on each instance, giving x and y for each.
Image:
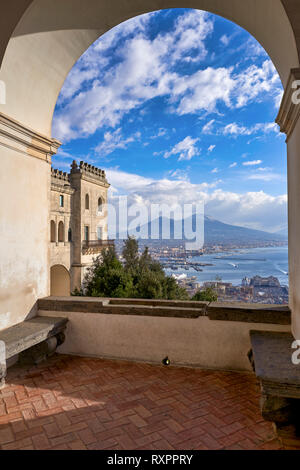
(85, 403)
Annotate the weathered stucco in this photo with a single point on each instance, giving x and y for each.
(197, 342)
(24, 256)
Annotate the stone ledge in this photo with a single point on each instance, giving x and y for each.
(272, 352)
(280, 383)
(19, 137)
(250, 313)
(247, 313)
(90, 305)
(29, 333)
(159, 303)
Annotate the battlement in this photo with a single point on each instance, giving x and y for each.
(87, 169)
(60, 175)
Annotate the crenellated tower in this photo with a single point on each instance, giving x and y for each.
(78, 225)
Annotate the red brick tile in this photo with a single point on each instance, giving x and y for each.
(40, 442)
(6, 435)
(77, 445)
(52, 430)
(78, 403)
(174, 425)
(87, 436)
(138, 421)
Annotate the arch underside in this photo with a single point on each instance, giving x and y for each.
(59, 281)
(52, 35)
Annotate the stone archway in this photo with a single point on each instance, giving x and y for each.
(40, 41)
(60, 284)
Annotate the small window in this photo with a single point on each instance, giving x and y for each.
(86, 233)
(100, 204)
(87, 201)
(61, 232)
(99, 233)
(69, 235)
(61, 201)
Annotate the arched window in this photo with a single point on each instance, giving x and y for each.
(69, 235)
(100, 204)
(52, 231)
(61, 232)
(87, 201)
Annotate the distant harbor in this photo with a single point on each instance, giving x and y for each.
(233, 266)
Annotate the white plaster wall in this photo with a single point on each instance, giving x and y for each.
(294, 226)
(24, 234)
(195, 342)
(60, 254)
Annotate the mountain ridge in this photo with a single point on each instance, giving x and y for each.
(215, 231)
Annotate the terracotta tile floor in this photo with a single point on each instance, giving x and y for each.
(85, 403)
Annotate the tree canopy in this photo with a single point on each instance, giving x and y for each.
(139, 276)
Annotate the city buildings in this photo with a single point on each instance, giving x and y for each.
(255, 290)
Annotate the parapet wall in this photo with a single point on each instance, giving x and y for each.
(88, 170)
(213, 336)
(58, 175)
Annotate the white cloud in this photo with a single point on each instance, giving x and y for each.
(225, 40)
(114, 140)
(179, 175)
(142, 74)
(252, 163)
(255, 82)
(252, 48)
(265, 174)
(207, 129)
(233, 129)
(253, 209)
(160, 133)
(233, 165)
(215, 170)
(202, 90)
(97, 94)
(211, 148)
(186, 149)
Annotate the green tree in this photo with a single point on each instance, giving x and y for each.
(107, 277)
(206, 295)
(131, 254)
(139, 276)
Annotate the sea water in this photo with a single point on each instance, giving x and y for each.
(232, 266)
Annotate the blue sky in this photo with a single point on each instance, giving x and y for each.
(179, 105)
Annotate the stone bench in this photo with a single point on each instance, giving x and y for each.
(271, 358)
(33, 340)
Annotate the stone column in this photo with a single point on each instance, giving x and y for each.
(25, 157)
(288, 120)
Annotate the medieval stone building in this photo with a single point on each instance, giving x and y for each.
(78, 224)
